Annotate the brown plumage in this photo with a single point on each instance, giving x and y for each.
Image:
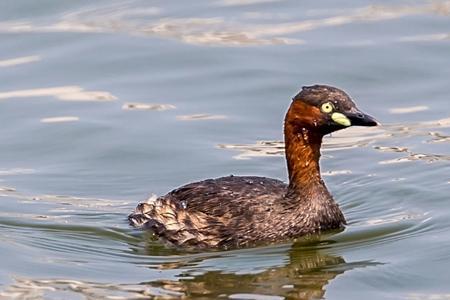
(236, 211)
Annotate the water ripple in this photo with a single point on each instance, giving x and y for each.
(26, 288)
(216, 31)
(65, 93)
(359, 137)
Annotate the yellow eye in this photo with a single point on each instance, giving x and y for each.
(327, 107)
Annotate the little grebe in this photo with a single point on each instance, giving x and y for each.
(237, 211)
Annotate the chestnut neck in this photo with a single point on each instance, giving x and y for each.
(302, 147)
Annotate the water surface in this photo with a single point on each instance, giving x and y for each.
(103, 104)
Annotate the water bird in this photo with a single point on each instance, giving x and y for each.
(241, 211)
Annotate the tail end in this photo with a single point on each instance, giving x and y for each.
(140, 216)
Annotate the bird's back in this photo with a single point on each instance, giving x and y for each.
(222, 212)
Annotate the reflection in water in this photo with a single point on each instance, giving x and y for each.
(417, 156)
(427, 38)
(147, 106)
(429, 296)
(336, 173)
(243, 2)
(197, 117)
(351, 138)
(60, 119)
(24, 288)
(215, 31)
(408, 110)
(19, 61)
(444, 123)
(260, 148)
(356, 137)
(438, 137)
(64, 202)
(65, 93)
(305, 275)
(412, 156)
(16, 171)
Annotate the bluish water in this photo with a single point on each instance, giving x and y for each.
(105, 103)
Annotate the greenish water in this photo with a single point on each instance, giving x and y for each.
(105, 103)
